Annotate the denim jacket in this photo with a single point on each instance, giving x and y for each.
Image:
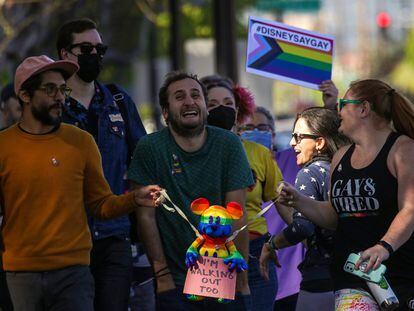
(104, 121)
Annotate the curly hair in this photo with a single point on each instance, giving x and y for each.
(172, 77)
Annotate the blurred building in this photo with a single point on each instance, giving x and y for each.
(360, 41)
(362, 48)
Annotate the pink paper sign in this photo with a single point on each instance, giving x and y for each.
(211, 279)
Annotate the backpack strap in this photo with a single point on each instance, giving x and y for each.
(119, 100)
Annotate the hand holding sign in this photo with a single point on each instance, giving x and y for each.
(329, 94)
(192, 255)
(235, 261)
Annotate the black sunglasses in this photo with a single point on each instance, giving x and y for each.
(87, 48)
(299, 136)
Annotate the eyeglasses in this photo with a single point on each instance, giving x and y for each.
(87, 48)
(52, 89)
(343, 102)
(298, 137)
(259, 127)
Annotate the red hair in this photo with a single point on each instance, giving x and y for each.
(245, 102)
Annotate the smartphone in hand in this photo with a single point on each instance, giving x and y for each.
(374, 276)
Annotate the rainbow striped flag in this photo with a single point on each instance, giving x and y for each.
(287, 53)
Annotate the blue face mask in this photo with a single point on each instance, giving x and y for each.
(261, 137)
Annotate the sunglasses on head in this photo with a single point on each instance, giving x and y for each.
(87, 48)
(343, 102)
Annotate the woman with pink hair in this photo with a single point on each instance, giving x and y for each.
(229, 106)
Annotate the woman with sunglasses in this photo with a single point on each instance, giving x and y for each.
(315, 139)
(372, 194)
(229, 106)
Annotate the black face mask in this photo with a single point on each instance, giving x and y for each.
(222, 116)
(90, 66)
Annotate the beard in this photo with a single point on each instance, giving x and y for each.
(43, 115)
(184, 130)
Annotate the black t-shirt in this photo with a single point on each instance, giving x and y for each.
(366, 201)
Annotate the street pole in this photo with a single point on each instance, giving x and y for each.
(176, 42)
(224, 32)
(152, 75)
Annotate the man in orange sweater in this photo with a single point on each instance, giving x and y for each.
(49, 173)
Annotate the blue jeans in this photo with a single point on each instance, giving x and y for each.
(142, 297)
(111, 267)
(68, 289)
(263, 292)
(175, 300)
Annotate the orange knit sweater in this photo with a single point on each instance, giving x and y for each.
(46, 182)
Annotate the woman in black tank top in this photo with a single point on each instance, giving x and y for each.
(372, 193)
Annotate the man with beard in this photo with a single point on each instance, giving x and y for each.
(50, 172)
(190, 160)
(109, 114)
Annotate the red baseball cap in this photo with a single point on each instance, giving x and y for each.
(37, 64)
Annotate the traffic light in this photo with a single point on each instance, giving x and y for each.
(383, 20)
(383, 23)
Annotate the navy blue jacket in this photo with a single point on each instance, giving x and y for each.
(313, 181)
(104, 121)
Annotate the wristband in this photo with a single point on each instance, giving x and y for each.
(162, 269)
(387, 246)
(158, 276)
(272, 244)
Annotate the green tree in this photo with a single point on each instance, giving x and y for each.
(402, 74)
(28, 27)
